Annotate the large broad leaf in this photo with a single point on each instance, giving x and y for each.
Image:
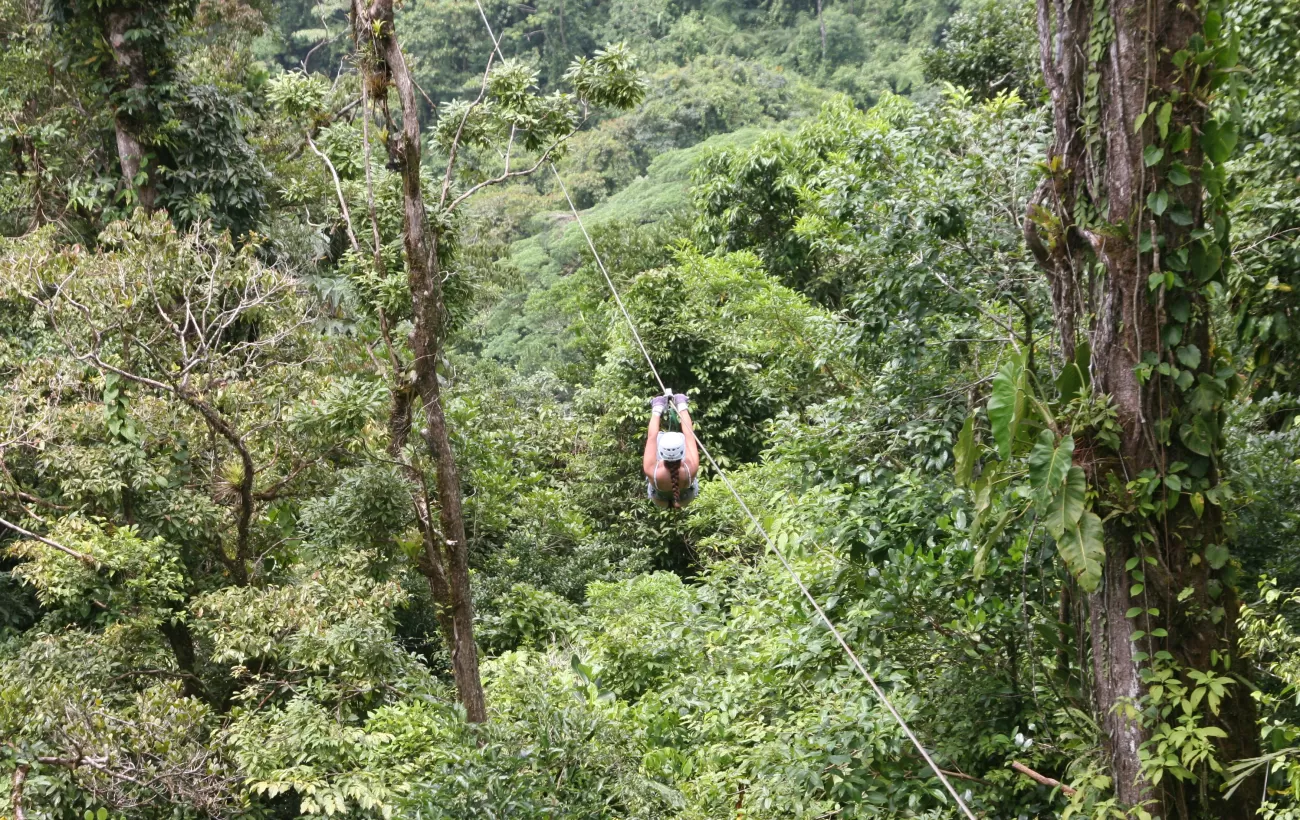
(1189, 356)
(1208, 396)
(1205, 259)
(1069, 382)
(963, 453)
(1074, 377)
(1083, 360)
(1065, 507)
(1006, 404)
(1084, 551)
(1048, 463)
(1218, 139)
(983, 488)
(985, 548)
(1199, 436)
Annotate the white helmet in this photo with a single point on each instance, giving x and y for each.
(672, 446)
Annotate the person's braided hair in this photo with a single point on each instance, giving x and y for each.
(673, 467)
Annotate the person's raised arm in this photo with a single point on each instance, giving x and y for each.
(651, 455)
(692, 459)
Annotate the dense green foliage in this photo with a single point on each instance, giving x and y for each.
(1267, 175)
(868, 48)
(211, 592)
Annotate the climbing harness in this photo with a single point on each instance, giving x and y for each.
(685, 495)
(771, 546)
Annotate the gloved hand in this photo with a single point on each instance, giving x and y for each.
(658, 405)
(679, 401)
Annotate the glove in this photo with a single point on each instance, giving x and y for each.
(679, 401)
(658, 405)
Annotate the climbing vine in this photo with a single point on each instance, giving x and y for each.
(1114, 473)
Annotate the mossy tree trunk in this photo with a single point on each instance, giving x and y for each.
(1127, 229)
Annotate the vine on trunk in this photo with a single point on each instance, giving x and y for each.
(1118, 455)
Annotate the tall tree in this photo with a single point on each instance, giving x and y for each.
(1129, 226)
(447, 551)
(510, 115)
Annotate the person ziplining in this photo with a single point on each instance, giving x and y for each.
(690, 447)
(668, 454)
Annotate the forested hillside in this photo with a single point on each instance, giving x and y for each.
(328, 339)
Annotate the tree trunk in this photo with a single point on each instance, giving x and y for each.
(1117, 675)
(447, 553)
(16, 794)
(821, 26)
(1107, 62)
(181, 640)
(130, 152)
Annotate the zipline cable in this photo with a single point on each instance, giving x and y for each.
(599, 263)
(790, 570)
(794, 575)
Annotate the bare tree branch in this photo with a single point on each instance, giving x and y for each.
(338, 189)
(455, 142)
(508, 174)
(1042, 778)
(80, 556)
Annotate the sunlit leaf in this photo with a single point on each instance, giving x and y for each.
(1083, 549)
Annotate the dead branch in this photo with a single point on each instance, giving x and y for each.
(1042, 778)
(508, 174)
(961, 776)
(338, 190)
(88, 560)
(455, 142)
